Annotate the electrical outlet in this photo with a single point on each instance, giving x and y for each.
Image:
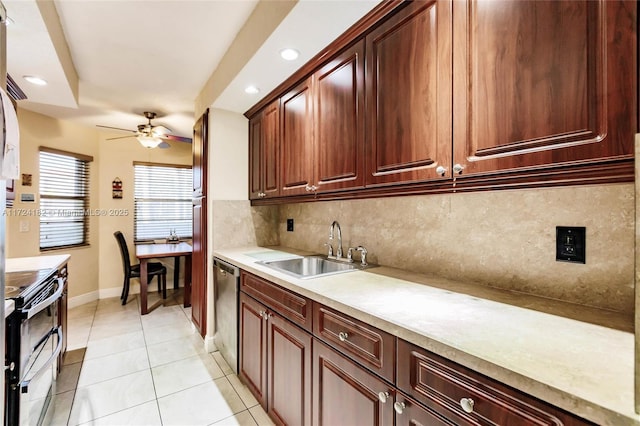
(571, 244)
(289, 225)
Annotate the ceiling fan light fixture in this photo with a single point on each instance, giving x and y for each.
(149, 141)
(289, 54)
(35, 80)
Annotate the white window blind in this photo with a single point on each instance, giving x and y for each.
(162, 201)
(64, 199)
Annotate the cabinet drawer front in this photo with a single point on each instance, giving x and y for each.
(367, 345)
(444, 386)
(288, 304)
(346, 394)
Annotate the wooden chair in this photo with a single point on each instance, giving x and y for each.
(154, 269)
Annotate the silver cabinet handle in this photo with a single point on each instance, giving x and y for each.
(383, 396)
(457, 168)
(467, 404)
(399, 407)
(307, 188)
(343, 336)
(441, 170)
(314, 188)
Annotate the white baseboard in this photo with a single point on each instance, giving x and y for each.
(76, 301)
(209, 344)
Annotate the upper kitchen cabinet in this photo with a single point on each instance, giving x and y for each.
(264, 150)
(296, 113)
(409, 95)
(339, 122)
(322, 122)
(544, 89)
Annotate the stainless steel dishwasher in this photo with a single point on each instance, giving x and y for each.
(226, 279)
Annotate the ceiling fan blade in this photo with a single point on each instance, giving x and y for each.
(160, 130)
(116, 128)
(120, 137)
(176, 138)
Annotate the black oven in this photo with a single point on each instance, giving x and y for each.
(34, 342)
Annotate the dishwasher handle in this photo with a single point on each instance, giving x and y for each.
(226, 268)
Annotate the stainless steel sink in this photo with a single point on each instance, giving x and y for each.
(313, 266)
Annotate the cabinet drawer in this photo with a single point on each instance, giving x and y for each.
(287, 303)
(367, 345)
(445, 386)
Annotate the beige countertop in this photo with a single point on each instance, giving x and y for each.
(580, 366)
(34, 263)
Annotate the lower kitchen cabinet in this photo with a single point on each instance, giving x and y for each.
(275, 362)
(347, 394)
(410, 413)
(467, 397)
(350, 373)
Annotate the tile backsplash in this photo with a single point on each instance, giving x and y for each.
(503, 239)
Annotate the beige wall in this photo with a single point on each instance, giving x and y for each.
(504, 239)
(95, 271)
(37, 130)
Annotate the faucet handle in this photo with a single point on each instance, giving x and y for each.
(363, 258)
(350, 254)
(330, 248)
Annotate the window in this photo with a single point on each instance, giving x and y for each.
(162, 201)
(64, 199)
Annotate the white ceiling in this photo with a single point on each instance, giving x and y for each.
(156, 55)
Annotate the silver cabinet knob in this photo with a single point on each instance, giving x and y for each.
(399, 407)
(314, 188)
(441, 170)
(262, 314)
(383, 396)
(343, 336)
(467, 404)
(457, 168)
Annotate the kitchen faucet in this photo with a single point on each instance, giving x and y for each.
(339, 250)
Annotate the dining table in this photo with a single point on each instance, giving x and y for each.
(144, 252)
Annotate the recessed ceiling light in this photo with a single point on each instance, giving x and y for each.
(252, 90)
(35, 80)
(289, 54)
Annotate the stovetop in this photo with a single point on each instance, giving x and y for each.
(20, 284)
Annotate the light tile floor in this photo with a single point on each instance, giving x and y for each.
(126, 369)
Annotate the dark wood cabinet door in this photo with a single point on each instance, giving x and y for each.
(271, 150)
(543, 82)
(256, 137)
(346, 394)
(289, 366)
(296, 156)
(253, 347)
(409, 95)
(199, 238)
(264, 149)
(339, 121)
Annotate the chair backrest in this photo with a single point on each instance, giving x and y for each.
(124, 251)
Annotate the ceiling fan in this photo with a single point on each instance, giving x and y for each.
(150, 136)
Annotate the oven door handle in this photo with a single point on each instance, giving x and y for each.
(24, 385)
(48, 301)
